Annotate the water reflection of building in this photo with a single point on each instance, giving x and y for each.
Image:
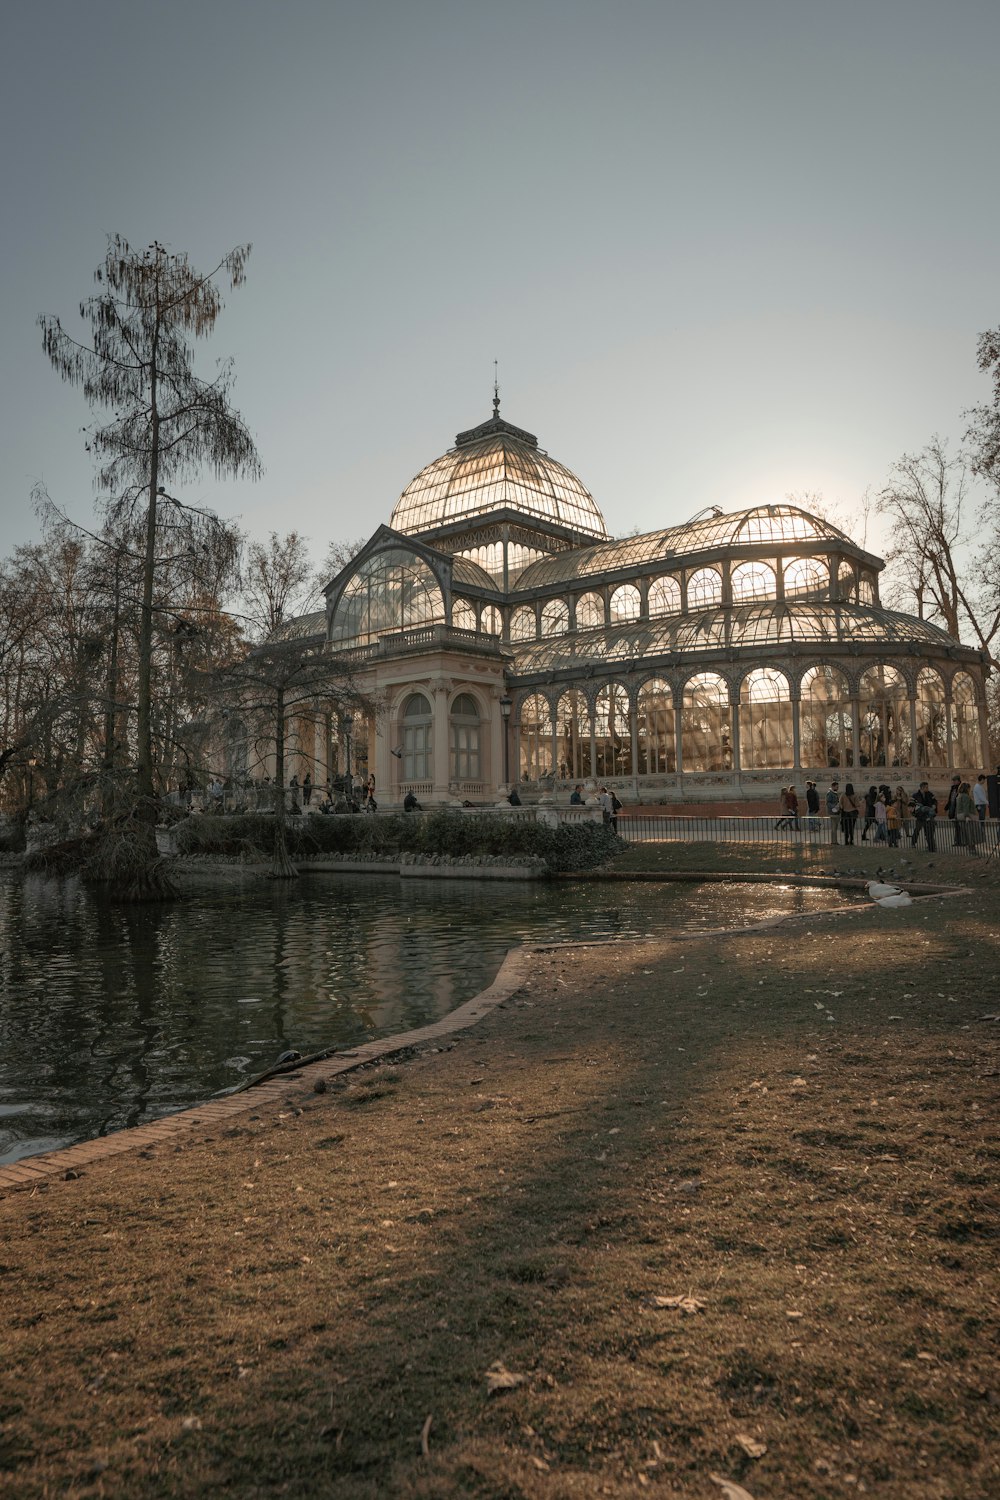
(712, 660)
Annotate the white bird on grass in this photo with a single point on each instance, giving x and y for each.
(875, 889)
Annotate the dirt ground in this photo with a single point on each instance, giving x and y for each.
(712, 1211)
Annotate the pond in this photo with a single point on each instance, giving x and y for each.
(111, 1015)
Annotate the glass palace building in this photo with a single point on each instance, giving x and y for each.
(506, 637)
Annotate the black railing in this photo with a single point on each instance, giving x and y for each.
(942, 835)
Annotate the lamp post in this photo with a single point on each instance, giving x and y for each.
(32, 763)
(506, 704)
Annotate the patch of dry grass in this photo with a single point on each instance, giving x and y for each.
(792, 1127)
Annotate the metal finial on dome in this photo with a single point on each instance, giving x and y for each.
(496, 391)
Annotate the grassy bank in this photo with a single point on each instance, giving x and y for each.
(792, 1129)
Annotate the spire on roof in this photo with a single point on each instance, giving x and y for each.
(496, 392)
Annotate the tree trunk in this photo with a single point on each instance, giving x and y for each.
(281, 867)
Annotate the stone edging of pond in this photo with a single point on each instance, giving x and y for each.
(68, 1161)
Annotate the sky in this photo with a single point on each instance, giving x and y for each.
(722, 251)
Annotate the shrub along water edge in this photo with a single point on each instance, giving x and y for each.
(571, 846)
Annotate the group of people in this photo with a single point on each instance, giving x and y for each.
(885, 814)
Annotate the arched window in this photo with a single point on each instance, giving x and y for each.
(463, 616)
(704, 589)
(417, 735)
(612, 734)
(766, 737)
(826, 726)
(967, 739)
(664, 597)
(589, 611)
(866, 590)
(573, 730)
(522, 624)
(932, 719)
(463, 723)
(535, 738)
(807, 576)
(393, 590)
(626, 604)
(847, 583)
(753, 580)
(706, 724)
(657, 747)
(884, 707)
(490, 620)
(555, 617)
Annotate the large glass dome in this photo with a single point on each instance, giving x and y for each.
(492, 468)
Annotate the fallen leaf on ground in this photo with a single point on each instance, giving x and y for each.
(752, 1447)
(730, 1490)
(685, 1303)
(499, 1378)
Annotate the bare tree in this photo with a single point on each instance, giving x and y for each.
(168, 423)
(278, 583)
(983, 435)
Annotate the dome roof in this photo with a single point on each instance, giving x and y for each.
(491, 468)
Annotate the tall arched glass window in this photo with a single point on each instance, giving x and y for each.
(555, 617)
(706, 724)
(753, 580)
(573, 728)
(884, 706)
(393, 590)
(932, 719)
(847, 582)
(866, 590)
(626, 604)
(807, 576)
(612, 734)
(664, 597)
(589, 611)
(766, 736)
(535, 738)
(490, 620)
(826, 725)
(417, 736)
(967, 741)
(522, 624)
(463, 722)
(657, 747)
(463, 616)
(704, 589)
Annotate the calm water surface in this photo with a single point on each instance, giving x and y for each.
(111, 1015)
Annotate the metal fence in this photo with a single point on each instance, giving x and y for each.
(942, 835)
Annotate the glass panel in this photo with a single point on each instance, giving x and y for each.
(866, 591)
(884, 706)
(967, 745)
(555, 617)
(464, 726)
(522, 624)
(704, 589)
(664, 597)
(417, 738)
(535, 740)
(826, 725)
(626, 604)
(589, 611)
(463, 615)
(393, 590)
(807, 575)
(657, 747)
(491, 621)
(612, 735)
(753, 580)
(766, 738)
(706, 725)
(932, 719)
(848, 583)
(573, 722)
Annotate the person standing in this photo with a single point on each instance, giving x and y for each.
(307, 790)
(966, 822)
(833, 808)
(924, 807)
(871, 797)
(812, 805)
(850, 809)
(881, 819)
(783, 809)
(576, 796)
(793, 808)
(980, 797)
